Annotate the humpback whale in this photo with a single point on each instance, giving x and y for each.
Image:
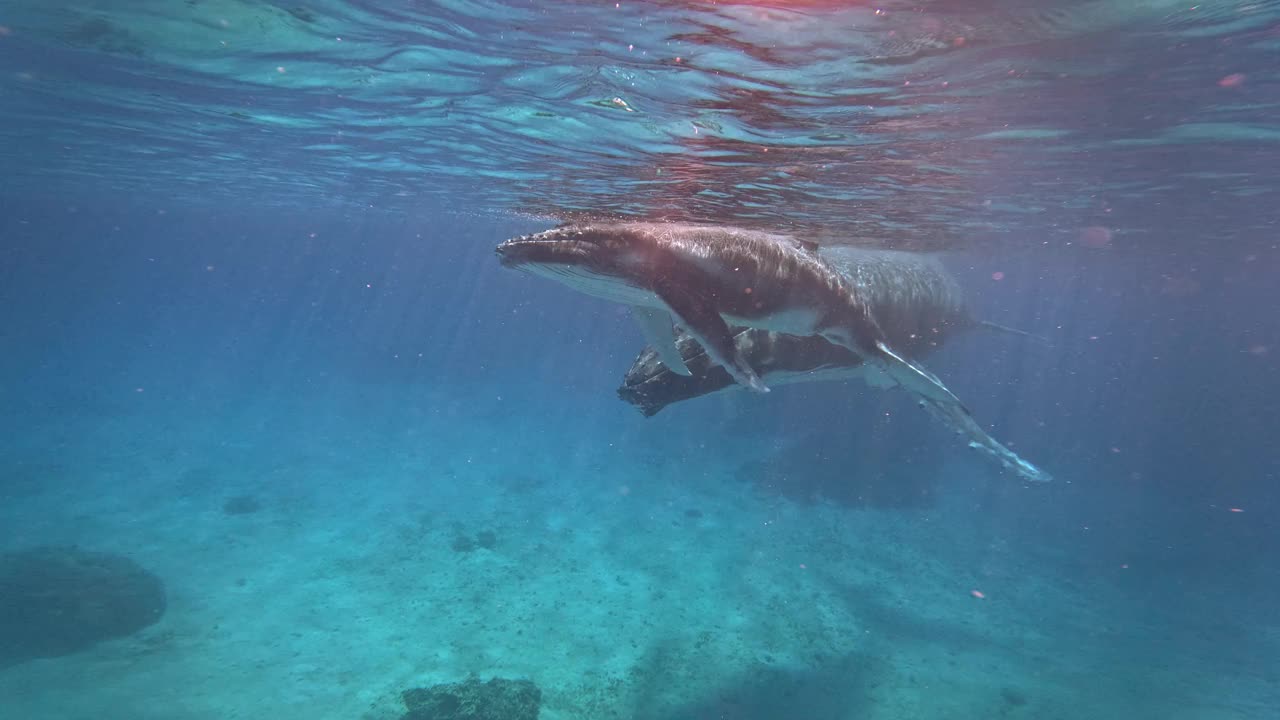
(709, 279)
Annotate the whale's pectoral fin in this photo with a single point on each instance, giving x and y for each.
(655, 323)
(698, 314)
(914, 378)
(945, 406)
(963, 423)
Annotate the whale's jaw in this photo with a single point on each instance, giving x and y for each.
(585, 259)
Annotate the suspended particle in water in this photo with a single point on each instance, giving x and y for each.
(1095, 236)
(1232, 80)
(997, 275)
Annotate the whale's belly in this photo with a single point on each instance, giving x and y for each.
(802, 321)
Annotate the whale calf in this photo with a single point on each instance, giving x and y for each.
(710, 279)
(650, 385)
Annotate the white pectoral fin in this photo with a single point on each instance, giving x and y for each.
(698, 315)
(944, 405)
(655, 323)
(914, 378)
(958, 418)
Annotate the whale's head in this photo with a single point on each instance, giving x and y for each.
(614, 262)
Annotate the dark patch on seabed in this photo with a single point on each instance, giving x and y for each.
(56, 601)
(497, 699)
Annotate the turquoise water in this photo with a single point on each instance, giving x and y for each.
(256, 341)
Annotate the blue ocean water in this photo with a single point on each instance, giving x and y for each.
(257, 343)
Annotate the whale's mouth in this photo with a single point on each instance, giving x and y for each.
(579, 264)
(520, 253)
(585, 280)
